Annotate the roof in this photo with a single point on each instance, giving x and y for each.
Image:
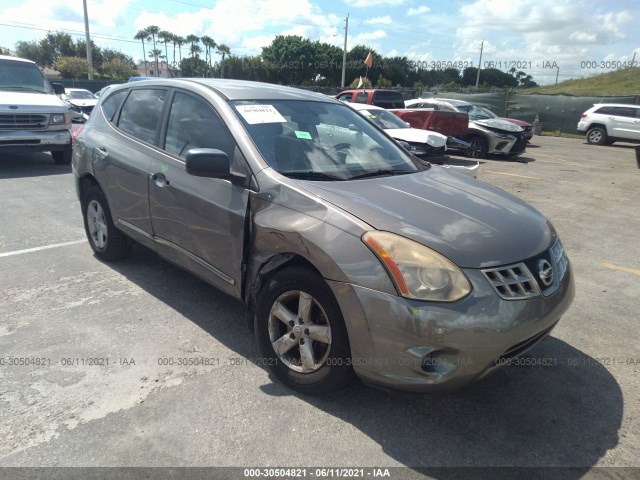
(450, 101)
(241, 89)
(15, 59)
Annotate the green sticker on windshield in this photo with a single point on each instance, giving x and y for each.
(304, 135)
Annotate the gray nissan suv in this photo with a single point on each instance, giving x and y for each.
(350, 255)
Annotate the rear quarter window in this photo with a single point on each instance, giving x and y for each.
(141, 113)
(111, 104)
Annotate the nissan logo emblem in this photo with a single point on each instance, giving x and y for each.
(545, 272)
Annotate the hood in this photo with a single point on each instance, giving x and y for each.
(515, 121)
(31, 102)
(498, 124)
(415, 135)
(83, 102)
(473, 224)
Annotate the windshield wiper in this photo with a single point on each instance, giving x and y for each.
(19, 87)
(311, 175)
(380, 172)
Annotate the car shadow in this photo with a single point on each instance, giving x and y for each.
(30, 165)
(565, 413)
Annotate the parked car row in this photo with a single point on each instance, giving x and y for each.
(474, 130)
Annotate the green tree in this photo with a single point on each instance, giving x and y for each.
(143, 36)
(193, 67)
(153, 31)
(180, 41)
(156, 53)
(194, 48)
(73, 67)
(118, 69)
(383, 82)
(209, 44)
(367, 83)
(165, 38)
(224, 51)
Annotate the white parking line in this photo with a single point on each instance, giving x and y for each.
(37, 249)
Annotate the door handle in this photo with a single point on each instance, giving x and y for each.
(101, 153)
(160, 179)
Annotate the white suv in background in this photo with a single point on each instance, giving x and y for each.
(605, 123)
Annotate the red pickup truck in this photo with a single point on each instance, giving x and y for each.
(451, 124)
(373, 96)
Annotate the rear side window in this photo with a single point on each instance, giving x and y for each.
(606, 111)
(625, 112)
(361, 98)
(141, 113)
(111, 104)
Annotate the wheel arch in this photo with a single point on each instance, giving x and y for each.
(598, 125)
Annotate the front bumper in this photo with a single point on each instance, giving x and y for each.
(35, 141)
(418, 346)
(511, 145)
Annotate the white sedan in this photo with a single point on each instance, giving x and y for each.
(424, 144)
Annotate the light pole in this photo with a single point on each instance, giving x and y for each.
(88, 40)
(479, 65)
(344, 51)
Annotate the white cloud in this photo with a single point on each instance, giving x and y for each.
(418, 11)
(365, 37)
(374, 3)
(386, 20)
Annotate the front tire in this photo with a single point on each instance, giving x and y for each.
(107, 242)
(478, 147)
(597, 136)
(301, 333)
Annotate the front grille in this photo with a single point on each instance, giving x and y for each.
(517, 282)
(23, 121)
(513, 282)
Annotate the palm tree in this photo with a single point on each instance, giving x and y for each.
(195, 48)
(155, 54)
(153, 31)
(178, 40)
(165, 37)
(209, 43)
(143, 35)
(223, 50)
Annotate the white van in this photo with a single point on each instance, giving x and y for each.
(32, 117)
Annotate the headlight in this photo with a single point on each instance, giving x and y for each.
(58, 118)
(417, 271)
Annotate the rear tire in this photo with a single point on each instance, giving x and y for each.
(297, 314)
(107, 242)
(597, 136)
(63, 157)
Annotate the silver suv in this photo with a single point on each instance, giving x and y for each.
(350, 254)
(605, 123)
(32, 117)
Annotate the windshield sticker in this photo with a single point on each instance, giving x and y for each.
(303, 135)
(255, 114)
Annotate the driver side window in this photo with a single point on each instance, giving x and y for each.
(194, 124)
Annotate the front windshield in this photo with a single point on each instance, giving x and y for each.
(384, 119)
(475, 113)
(22, 76)
(321, 141)
(81, 94)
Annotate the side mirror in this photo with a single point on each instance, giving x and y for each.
(208, 162)
(58, 88)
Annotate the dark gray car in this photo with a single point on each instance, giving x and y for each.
(350, 255)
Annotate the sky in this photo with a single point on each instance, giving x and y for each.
(547, 39)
